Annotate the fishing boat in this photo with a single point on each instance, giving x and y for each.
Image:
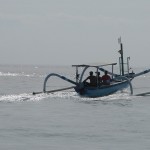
(100, 89)
(118, 81)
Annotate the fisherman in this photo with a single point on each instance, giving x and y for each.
(92, 79)
(106, 79)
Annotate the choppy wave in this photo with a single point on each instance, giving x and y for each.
(22, 74)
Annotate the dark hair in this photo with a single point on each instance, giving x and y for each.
(91, 72)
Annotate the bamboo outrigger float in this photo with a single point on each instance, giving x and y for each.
(118, 81)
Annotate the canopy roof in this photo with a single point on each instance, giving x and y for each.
(94, 65)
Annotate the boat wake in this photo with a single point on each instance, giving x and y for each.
(63, 95)
(21, 97)
(22, 74)
(30, 97)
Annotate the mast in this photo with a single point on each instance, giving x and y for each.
(121, 53)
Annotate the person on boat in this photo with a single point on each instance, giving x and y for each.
(92, 79)
(98, 78)
(106, 79)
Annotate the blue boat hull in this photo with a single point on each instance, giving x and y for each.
(102, 90)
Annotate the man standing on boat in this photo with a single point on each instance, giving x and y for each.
(92, 79)
(106, 79)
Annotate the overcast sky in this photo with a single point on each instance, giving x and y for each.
(66, 32)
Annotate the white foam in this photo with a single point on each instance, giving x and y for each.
(22, 74)
(63, 95)
(74, 96)
(22, 97)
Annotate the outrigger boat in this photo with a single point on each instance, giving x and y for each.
(118, 81)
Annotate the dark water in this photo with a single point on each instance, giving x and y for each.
(65, 121)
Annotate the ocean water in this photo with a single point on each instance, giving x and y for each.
(65, 121)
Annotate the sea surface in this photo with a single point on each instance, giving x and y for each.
(64, 120)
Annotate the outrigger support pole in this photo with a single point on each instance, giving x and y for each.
(129, 82)
(57, 75)
(51, 91)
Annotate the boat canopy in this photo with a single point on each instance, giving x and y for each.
(95, 65)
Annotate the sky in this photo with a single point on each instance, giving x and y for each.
(67, 32)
